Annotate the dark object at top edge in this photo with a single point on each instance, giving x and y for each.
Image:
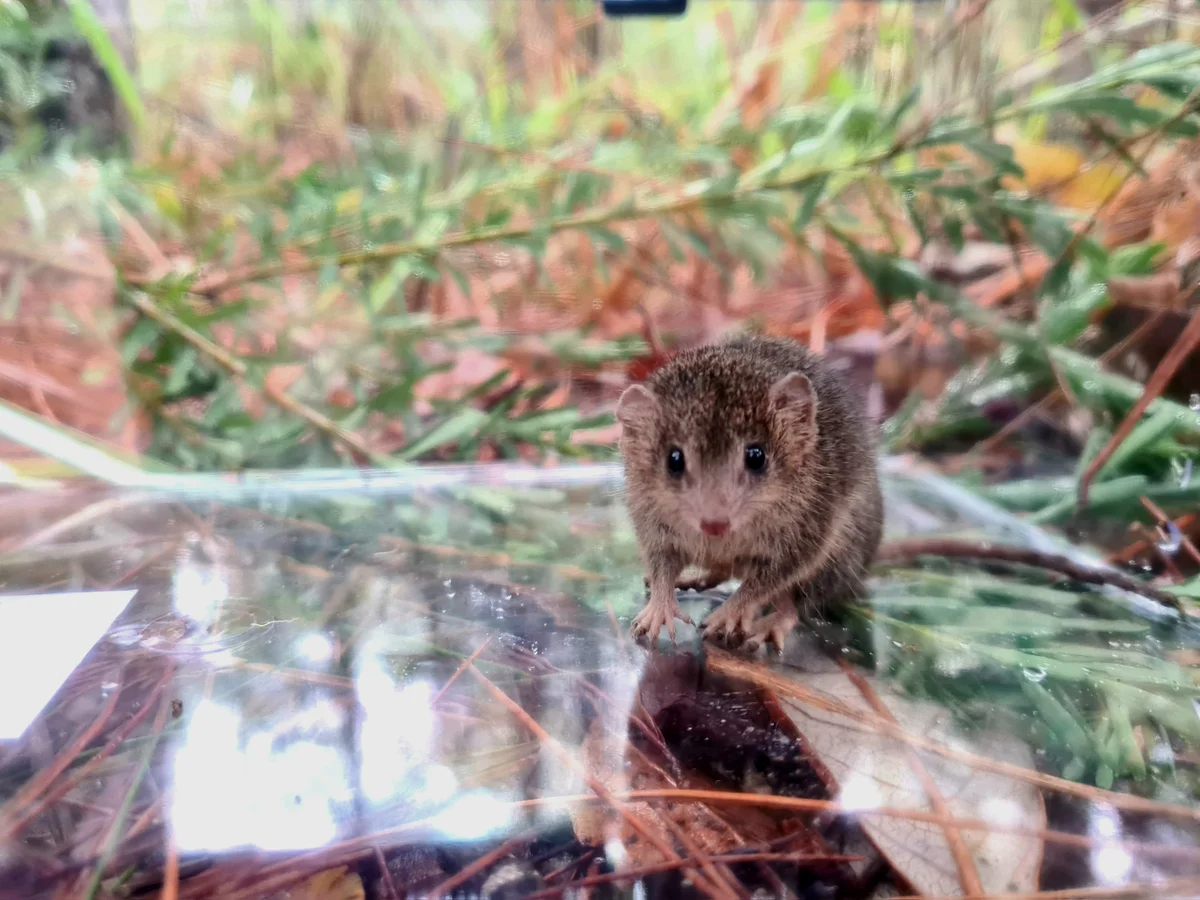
(619, 8)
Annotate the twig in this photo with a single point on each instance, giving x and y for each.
(1127, 553)
(573, 864)
(281, 874)
(737, 667)
(694, 850)
(483, 557)
(1163, 373)
(988, 444)
(722, 859)
(68, 784)
(54, 261)
(457, 672)
(466, 873)
(968, 874)
(114, 834)
(170, 888)
(902, 551)
(1162, 888)
(680, 201)
(236, 368)
(1151, 136)
(145, 820)
(98, 510)
(150, 251)
(385, 876)
(1163, 521)
(801, 804)
(11, 815)
(601, 791)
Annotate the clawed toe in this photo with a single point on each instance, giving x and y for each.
(650, 621)
(772, 629)
(728, 622)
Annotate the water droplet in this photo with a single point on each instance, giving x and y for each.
(1172, 539)
(1186, 478)
(1194, 403)
(1037, 676)
(1161, 754)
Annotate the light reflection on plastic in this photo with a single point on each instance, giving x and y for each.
(43, 637)
(226, 797)
(1000, 812)
(207, 773)
(315, 648)
(860, 792)
(473, 816)
(616, 852)
(440, 785)
(397, 731)
(199, 591)
(1111, 863)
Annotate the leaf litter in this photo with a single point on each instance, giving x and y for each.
(920, 757)
(1082, 681)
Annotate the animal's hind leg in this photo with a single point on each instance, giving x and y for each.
(826, 588)
(774, 627)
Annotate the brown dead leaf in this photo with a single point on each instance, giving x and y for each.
(995, 289)
(471, 367)
(280, 378)
(868, 768)
(341, 398)
(597, 436)
(71, 374)
(850, 16)
(1177, 219)
(1159, 291)
(1131, 215)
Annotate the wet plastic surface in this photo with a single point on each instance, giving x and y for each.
(429, 673)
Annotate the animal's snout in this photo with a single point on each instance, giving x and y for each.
(715, 527)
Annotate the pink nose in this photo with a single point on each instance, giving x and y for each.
(714, 527)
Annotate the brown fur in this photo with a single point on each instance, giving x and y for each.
(804, 531)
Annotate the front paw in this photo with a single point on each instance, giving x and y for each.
(729, 621)
(772, 629)
(650, 621)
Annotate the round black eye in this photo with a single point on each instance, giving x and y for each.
(756, 458)
(675, 463)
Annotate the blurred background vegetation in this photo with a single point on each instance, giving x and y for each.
(274, 234)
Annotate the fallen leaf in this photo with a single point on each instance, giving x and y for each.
(1061, 172)
(471, 367)
(869, 769)
(332, 884)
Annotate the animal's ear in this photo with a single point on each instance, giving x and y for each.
(794, 396)
(636, 406)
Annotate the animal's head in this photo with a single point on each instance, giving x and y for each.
(715, 442)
